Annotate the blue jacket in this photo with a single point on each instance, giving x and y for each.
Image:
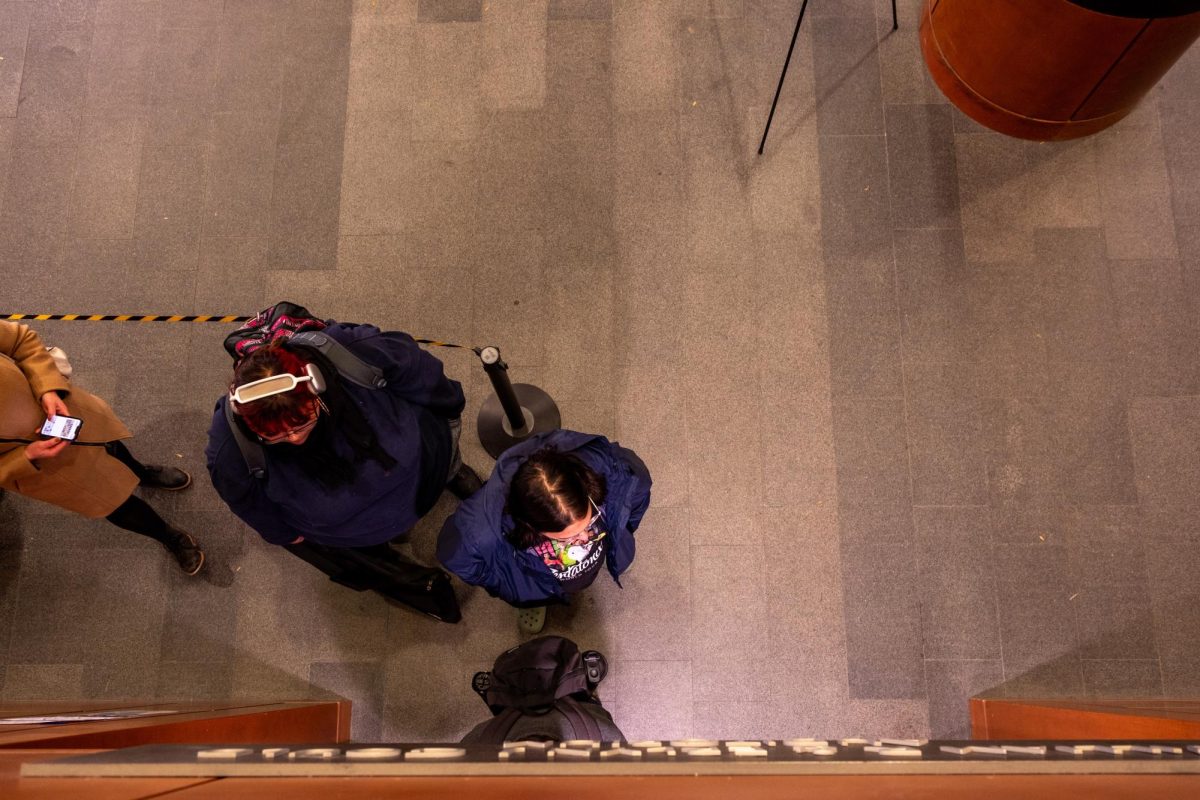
(409, 416)
(472, 543)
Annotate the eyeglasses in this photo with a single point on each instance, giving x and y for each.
(593, 528)
(294, 433)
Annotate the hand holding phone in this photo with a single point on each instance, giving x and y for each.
(45, 448)
(62, 427)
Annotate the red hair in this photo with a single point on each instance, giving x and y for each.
(278, 413)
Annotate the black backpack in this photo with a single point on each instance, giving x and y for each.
(544, 675)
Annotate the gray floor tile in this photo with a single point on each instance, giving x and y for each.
(1158, 330)
(359, 682)
(579, 91)
(248, 65)
(950, 415)
(309, 154)
(54, 77)
(191, 13)
(1080, 319)
(872, 461)
(941, 318)
(1037, 631)
(183, 66)
(1166, 451)
(118, 74)
(923, 176)
(381, 75)
(30, 682)
(580, 9)
(185, 681)
(1105, 545)
(104, 194)
(1175, 628)
(994, 225)
(514, 59)
(1091, 435)
(951, 684)
(958, 612)
(652, 699)
(170, 207)
(239, 171)
(35, 207)
(880, 586)
(728, 601)
(448, 67)
(1135, 193)
(1023, 475)
(902, 68)
(1115, 621)
(855, 207)
(864, 327)
(12, 48)
(449, 10)
(846, 77)
(1122, 678)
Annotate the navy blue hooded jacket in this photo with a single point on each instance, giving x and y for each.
(409, 417)
(472, 543)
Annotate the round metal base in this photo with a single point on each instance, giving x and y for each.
(496, 435)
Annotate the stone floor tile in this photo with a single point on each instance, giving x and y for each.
(1158, 331)
(855, 205)
(880, 585)
(922, 172)
(846, 77)
(951, 684)
(994, 226)
(448, 70)
(869, 445)
(107, 166)
(958, 612)
(949, 417)
(1166, 451)
(1111, 678)
(449, 10)
(514, 59)
(1135, 193)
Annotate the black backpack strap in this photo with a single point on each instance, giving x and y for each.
(581, 721)
(499, 726)
(348, 365)
(252, 452)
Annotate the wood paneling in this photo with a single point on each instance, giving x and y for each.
(1098, 719)
(280, 723)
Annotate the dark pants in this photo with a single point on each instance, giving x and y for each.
(135, 514)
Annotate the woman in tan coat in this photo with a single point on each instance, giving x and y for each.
(94, 475)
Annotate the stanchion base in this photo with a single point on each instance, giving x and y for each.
(496, 435)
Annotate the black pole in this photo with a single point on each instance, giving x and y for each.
(515, 412)
(895, 19)
(497, 371)
(786, 61)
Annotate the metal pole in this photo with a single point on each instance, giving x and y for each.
(782, 74)
(515, 412)
(497, 371)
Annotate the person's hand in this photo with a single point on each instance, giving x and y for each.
(297, 540)
(45, 448)
(54, 406)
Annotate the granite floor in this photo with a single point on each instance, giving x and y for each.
(921, 402)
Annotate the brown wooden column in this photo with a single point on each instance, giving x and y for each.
(1053, 69)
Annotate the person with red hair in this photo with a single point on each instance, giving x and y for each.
(343, 464)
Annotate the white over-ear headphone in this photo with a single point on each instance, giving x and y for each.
(271, 385)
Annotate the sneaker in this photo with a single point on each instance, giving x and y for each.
(531, 620)
(186, 552)
(465, 482)
(170, 479)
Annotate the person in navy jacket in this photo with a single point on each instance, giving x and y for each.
(556, 508)
(349, 466)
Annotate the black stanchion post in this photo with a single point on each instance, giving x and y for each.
(515, 411)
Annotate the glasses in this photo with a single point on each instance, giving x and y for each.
(295, 433)
(593, 529)
(268, 387)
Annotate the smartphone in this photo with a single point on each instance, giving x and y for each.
(62, 427)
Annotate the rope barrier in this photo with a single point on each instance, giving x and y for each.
(177, 318)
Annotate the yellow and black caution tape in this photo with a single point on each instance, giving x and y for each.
(171, 318)
(128, 317)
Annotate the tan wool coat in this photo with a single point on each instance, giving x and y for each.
(85, 480)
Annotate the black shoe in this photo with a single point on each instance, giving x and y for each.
(186, 552)
(169, 478)
(465, 482)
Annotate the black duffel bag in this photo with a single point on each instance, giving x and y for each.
(381, 569)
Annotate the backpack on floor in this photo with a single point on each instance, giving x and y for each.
(546, 677)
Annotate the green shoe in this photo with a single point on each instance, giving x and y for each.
(531, 620)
